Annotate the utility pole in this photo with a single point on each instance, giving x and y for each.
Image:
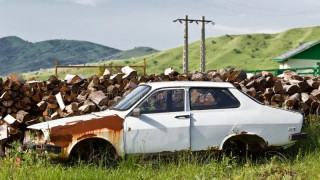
(203, 48)
(185, 47)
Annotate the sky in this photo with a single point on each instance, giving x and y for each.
(125, 24)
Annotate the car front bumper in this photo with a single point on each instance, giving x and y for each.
(297, 136)
(44, 147)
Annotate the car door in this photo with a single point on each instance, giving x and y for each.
(214, 115)
(163, 125)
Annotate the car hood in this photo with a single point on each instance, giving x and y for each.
(69, 120)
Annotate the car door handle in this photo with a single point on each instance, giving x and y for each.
(182, 116)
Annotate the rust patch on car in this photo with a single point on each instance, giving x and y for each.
(86, 136)
(62, 141)
(63, 135)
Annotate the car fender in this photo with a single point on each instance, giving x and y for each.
(261, 140)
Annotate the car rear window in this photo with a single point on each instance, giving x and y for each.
(212, 98)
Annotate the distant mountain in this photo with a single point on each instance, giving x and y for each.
(18, 55)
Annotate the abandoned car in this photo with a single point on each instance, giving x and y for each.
(168, 117)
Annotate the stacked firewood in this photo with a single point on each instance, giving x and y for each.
(24, 103)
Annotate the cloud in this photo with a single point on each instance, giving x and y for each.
(241, 30)
(85, 2)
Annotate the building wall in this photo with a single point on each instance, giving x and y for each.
(298, 63)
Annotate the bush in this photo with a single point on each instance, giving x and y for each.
(237, 51)
(155, 62)
(213, 42)
(249, 36)
(267, 36)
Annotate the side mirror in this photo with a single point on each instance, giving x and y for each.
(136, 112)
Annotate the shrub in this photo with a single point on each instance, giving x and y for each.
(213, 42)
(237, 51)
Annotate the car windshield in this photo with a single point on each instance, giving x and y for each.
(127, 101)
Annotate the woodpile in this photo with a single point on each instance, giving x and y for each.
(24, 103)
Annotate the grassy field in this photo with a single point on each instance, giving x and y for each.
(299, 162)
(247, 51)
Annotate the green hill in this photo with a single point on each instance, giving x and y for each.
(246, 51)
(18, 56)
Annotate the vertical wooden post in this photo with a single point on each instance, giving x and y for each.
(144, 66)
(185, 49)
(56, 67)
(203, 47)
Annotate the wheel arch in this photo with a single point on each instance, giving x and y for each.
(85, 140)
(245, 137)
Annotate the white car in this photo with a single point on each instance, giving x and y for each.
(168, 117)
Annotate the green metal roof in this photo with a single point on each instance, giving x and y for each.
(303, 47)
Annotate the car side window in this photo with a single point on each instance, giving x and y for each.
(212, 98)
(169, 100)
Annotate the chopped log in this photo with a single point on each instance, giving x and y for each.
(55, 115)
(98, 98)
(13, 131)
(198, 77)
(36, 98)
(72, 108)
(316, 93)
(266, 73)
(129, 72)
(269, 82)
(291, 89)
(93, 83)
(72, 79)
(11, 120)
(260, 83)
(84, 108)
(277, 100)
(292, 100)
(6, 95)
(42, 105)
(216, 79)
(7, 84)
(111, 102)
(313, 84)
(288, 75)
(117, 77)
(224, 74)
(75, 88)
(7, 103)
(82, 97)
(237, 76)
(117, 98)
(60, 101)
(306, 99)
(112, 91)
(3, 132)
(303, 106)
(52, 105)
(23, 116)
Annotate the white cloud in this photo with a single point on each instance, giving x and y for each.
(85, 2)
(241, 30)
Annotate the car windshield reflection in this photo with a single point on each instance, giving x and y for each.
(127, 101)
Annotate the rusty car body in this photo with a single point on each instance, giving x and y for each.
(172, 116)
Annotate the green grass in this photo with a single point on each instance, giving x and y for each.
(247, 52)
(299, 162)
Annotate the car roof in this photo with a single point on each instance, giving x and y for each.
(156, 85)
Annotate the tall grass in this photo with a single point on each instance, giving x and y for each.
(299, 162)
